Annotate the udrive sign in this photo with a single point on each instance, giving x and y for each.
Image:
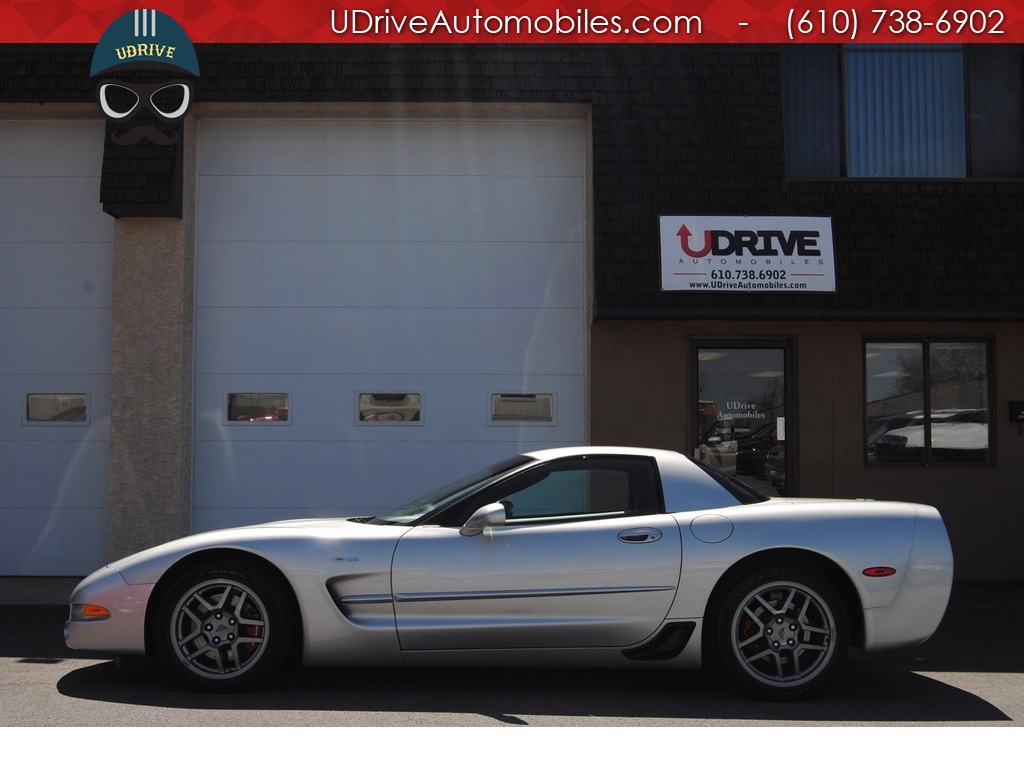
(747, 253)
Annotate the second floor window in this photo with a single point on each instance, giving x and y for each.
(902, 111)
(905, 111)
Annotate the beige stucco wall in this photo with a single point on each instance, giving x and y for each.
(640, 383)
(152, 382)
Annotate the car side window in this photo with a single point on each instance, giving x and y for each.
(580, 489)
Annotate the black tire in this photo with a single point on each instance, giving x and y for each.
(224, 626)
(781, 633)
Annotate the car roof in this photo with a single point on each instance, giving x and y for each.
(686, 486)
(546, 454)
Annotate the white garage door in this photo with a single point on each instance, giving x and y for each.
(56, 251)
(381, 307)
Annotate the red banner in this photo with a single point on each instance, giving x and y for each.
(531, 21)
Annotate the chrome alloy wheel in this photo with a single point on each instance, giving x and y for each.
(783, 633)
(219, 629)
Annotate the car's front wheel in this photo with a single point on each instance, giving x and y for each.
(223, 626)
(781, 633)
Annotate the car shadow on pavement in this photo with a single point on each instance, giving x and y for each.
(861, 695)
(982, 633)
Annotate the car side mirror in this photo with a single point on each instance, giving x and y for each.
(488, 516)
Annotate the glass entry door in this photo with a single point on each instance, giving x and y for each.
(739, 423)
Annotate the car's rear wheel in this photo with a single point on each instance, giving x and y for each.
(781, 633)
(224, 626)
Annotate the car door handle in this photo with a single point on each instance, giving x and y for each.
(640, 535)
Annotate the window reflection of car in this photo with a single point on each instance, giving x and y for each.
(971, 415)
(775, 467)
(752, 449)
(956, 435)
(883, 425)
(718, 446)
(271, 414)
(389, 407)
(951, 441)
(75, 413)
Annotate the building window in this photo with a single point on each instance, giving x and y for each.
(905, 111)
(913, 111)
(56, 408)
(522, 409)
(390, 407)
(927, 402)
(258, 408)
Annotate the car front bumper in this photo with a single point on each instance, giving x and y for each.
(122, 631)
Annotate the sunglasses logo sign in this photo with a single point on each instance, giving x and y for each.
(139, 41)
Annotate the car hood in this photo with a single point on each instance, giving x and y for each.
(307, 522)
(270, 540)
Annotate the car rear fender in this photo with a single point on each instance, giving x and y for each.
(914, 615)
(846, 537)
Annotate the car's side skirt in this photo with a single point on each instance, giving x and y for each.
(687, 657)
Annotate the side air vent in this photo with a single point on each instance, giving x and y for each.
(667, 644)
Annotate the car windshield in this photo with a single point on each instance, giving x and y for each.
(416, 510)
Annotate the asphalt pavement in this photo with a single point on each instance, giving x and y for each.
(970, 673)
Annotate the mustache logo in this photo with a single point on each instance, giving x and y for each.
(139, 132)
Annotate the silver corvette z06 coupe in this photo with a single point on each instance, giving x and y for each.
(583, 557)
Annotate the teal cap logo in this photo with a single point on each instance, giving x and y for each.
(144, 38)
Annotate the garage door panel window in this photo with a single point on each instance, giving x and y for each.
(927, 402)
(379, 408)
(522, 409)
(56, 408)
(258, 408)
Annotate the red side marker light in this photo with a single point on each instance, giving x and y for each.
(879, 571)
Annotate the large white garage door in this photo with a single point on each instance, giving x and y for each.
(56, 251)
(381, 307)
